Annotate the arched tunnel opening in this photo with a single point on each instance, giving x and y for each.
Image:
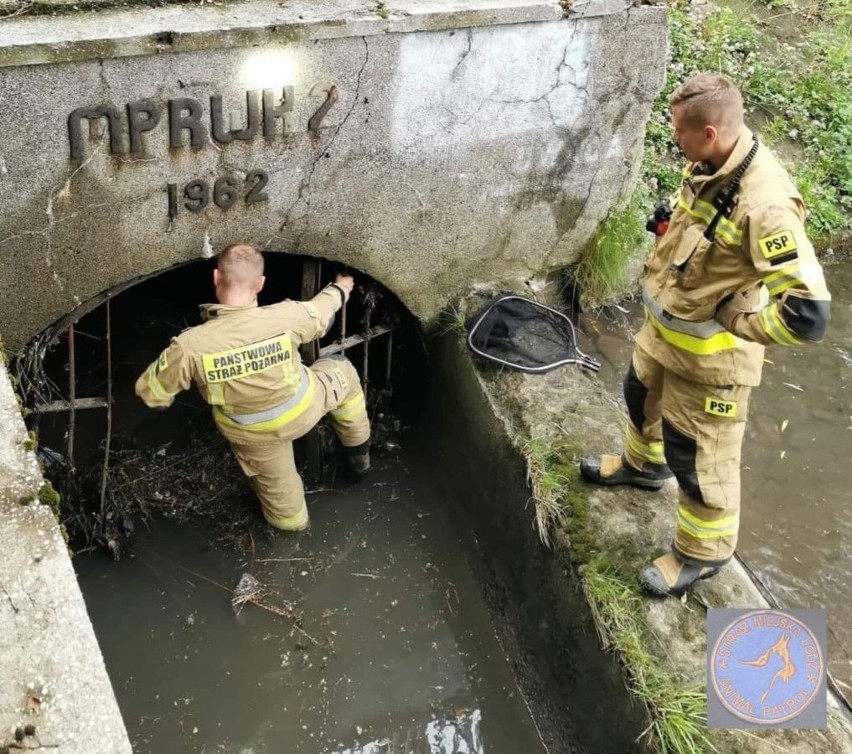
(113, 459)
(419, 613)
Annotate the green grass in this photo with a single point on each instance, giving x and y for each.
(602, 269)
(801, 93)
(548, 481)
(678, 716)
(452, 319)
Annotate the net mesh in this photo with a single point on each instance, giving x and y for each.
(525, 335)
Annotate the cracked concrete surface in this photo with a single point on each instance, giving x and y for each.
(52, 670)
(472, 141)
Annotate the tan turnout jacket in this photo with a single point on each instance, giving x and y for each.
(245, 362)
(760, 251)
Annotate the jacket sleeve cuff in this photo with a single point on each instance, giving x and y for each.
(343, 295)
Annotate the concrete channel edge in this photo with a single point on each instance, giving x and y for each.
(52, 669)
(570, 410)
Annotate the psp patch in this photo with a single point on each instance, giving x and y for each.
(341, 378)
(783, 242)
(718, 407)
(766, 668)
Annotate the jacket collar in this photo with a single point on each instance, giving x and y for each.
(215, 311)
(741, 149)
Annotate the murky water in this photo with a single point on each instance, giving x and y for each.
(796, 530)
(395, 651)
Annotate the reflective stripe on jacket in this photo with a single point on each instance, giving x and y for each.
(245, 363)
(759, 248)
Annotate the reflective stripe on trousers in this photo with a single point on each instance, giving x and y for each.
(350, 409)
(296, 522)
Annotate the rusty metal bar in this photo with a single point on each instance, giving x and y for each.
(311, 271)
(389, 363)
(354, 340)
(310, 287)
(365, 378)
(72, 395)
(105, 473)
(69, 405)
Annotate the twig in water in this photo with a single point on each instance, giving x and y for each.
(284, 612)
(365, 575)
(532, 717)
(279, 560)
(162, 469)
(306, 634)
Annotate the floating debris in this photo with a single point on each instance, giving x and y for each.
(374, 747)
(248, 589)
(457, 736)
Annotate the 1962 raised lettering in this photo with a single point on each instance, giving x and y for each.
(226, 191)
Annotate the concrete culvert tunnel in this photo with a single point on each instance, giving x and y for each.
(419, 613)
(94, 362)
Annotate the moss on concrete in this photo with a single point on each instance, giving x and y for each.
(47, 495)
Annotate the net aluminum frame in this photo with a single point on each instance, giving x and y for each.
(582, 359)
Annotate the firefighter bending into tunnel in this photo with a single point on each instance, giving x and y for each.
(731, 272)
(244, 359)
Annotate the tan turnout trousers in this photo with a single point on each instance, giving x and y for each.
(698, 430)
(270, 465)
(245, 362)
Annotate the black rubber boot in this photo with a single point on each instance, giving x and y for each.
(669, 576)
(360, 464)
(652, 477)
(358, 458)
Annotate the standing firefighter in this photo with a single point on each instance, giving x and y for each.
(245, 362)
(733, 272)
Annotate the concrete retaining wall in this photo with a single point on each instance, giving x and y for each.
(478, 140)
(52, 670)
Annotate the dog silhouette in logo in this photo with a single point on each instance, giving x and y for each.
(787, 671)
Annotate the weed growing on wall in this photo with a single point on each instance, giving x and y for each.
(548, 483)
(602, 270)
(798, 93)
(677, 714)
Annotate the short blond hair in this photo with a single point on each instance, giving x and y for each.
(240, 265)
(710, 99)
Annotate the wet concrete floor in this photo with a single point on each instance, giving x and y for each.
(796, 520)
(395, 651)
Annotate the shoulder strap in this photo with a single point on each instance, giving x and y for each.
(725, 198)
